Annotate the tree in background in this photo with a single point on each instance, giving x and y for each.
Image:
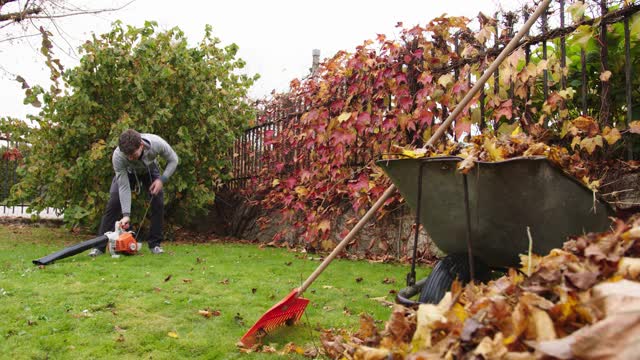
(134, 78)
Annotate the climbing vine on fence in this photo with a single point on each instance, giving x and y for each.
(391, 95)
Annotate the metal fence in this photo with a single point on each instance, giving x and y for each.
(280, 115)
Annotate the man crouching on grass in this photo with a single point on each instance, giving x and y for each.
(135, 164)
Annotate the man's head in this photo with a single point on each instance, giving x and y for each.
(130, 144)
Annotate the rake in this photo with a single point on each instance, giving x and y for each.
(290, 309)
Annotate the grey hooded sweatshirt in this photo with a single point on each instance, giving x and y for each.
(154, 145)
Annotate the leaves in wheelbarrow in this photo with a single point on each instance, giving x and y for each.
(583, 133)
(581, 301)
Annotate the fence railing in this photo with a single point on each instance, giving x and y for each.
(256, 150)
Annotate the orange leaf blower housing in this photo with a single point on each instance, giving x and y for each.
(126, 244)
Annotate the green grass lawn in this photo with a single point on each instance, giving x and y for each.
(147, 306)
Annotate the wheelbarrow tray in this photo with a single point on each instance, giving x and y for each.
(505, 198)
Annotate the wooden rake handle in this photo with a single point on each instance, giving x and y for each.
(456, 111)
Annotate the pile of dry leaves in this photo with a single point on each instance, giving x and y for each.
(581, 301)
(582, 149)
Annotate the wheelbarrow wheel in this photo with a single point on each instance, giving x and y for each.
(446, 270)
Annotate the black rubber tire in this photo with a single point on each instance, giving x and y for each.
(446, 270)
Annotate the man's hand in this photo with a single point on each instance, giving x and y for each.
(124, 223)
(155, 187)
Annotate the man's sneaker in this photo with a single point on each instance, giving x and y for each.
(157, 250)
(95, 252)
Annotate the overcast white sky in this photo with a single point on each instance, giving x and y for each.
(276, 37)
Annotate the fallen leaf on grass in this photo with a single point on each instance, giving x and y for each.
(173, 334)
(253, 290)
(238, 319)
(83, 314)
(389, 281)
(288, 263)
(208, 313)
(120, 338)
(187, 281)
(311, 352)
(327, 287)
(224, 282)
(368, 330)
(383, 300)
(358, 279)
(167, 278)
(292, 348)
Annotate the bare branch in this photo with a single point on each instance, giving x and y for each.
(83, 12)
(2, 2)
(19, 16)
(19, 37)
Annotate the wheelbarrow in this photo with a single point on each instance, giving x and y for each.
(485, 219)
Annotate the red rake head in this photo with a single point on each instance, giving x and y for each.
(287, 311)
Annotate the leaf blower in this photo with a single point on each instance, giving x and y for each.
(117, 242)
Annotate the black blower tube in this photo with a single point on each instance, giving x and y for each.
(99, 242)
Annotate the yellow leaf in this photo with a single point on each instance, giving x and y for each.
(371, 353)
(634, 26)
(582, 35)
(567, 93)
(412, 153)
(629, 267)
(576, 141)
(542, 65)
(495, 153)
(506, 128)
(611, 135)
(324, 225)
(634, 127)
(577, 10)
(426, 316)
(426, 135)
(445, 80)
(485, 33)
(327, 244)
(540, 325)
(492, 348)
(566, 126)
(605, 76)
(593, 185)
(516, 131)
(590, 144)
(173, 334)
(344, 117)
(459, 311)
(301, 190)
(275, 182)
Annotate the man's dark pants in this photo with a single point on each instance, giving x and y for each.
(113, 212)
